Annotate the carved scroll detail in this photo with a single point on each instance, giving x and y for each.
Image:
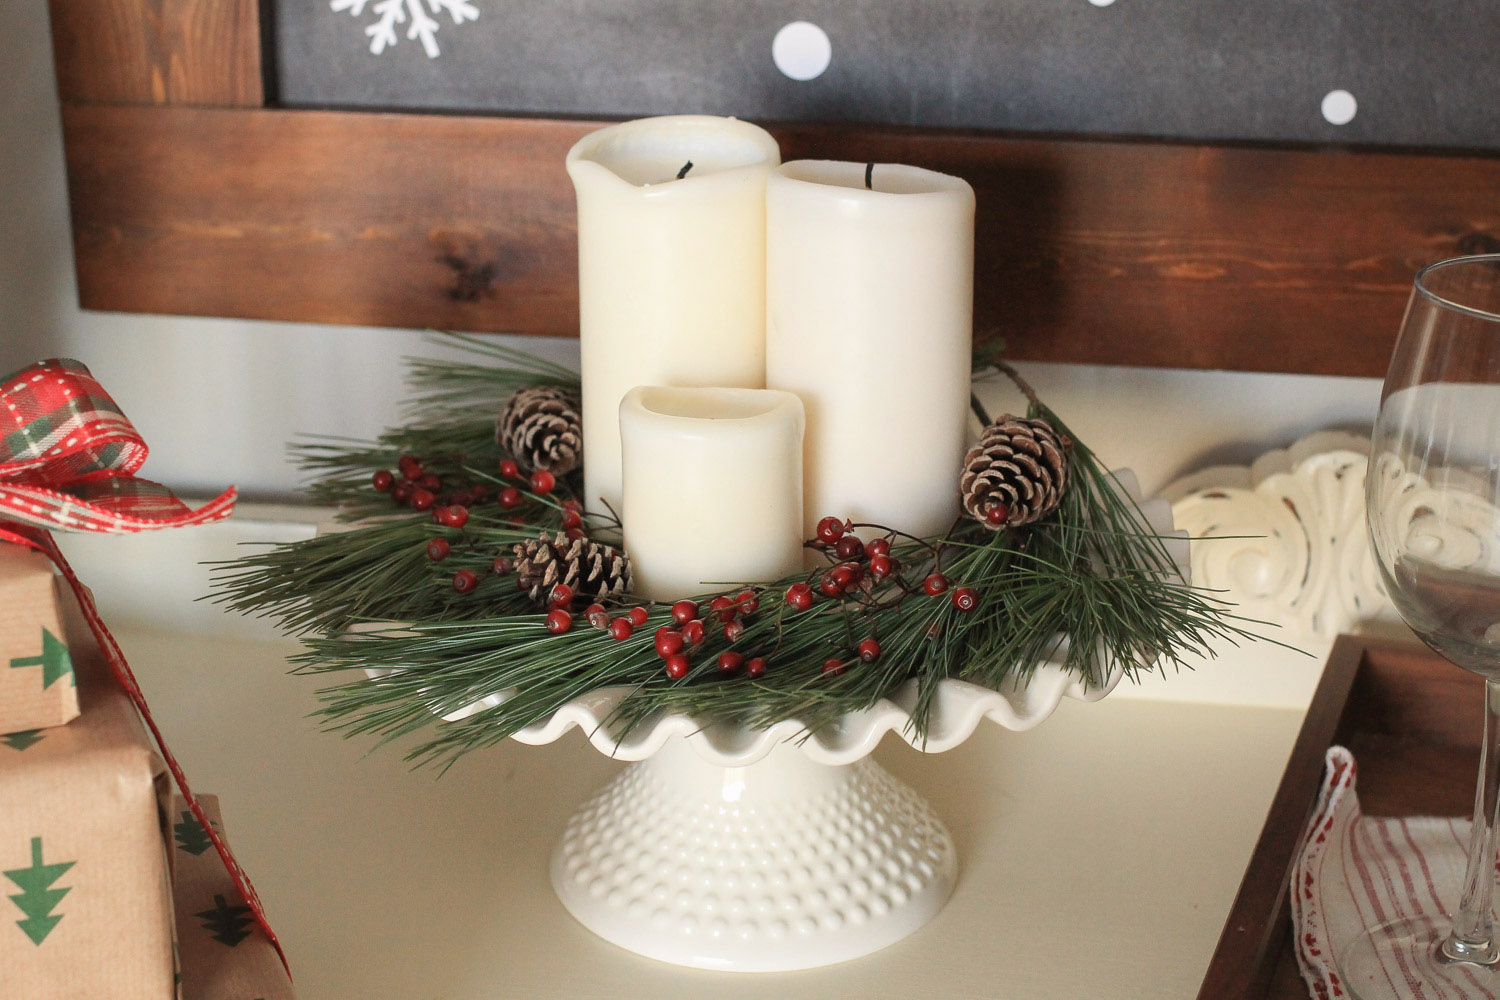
(1285, 538)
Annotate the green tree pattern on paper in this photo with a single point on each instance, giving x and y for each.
(227, 923)
(191, 837)
(37, 899)
(53, 659)
(25, 738)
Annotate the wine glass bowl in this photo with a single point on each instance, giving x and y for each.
(1432, 502)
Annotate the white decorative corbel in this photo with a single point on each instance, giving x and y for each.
(1284, 541)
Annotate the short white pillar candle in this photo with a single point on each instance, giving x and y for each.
(870, 294)
(671, 270)
(713, 487)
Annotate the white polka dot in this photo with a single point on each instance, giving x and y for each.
(1339, 107)
(1101, 3)
(802, 50)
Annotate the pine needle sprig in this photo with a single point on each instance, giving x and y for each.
(1091, 585)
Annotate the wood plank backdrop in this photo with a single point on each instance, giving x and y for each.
(190, 195)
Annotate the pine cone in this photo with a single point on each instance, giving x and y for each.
(540, 427)
(592, 569)
(1019, 462)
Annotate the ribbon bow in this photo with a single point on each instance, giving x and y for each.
(68, 458)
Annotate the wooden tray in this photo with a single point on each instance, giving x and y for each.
(1414, 723)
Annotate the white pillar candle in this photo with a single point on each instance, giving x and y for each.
(671, 271)
(713, 488)
(869, 315)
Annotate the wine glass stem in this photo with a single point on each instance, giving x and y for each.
(1472, 937)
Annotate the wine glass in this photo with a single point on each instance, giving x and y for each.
(1432, 501)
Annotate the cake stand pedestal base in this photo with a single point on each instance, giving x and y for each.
(777, 865)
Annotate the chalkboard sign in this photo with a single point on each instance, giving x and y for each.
(1388, 72)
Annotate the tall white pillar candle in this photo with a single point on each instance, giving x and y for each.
(713, 488)
(869, 315)
(671, 270)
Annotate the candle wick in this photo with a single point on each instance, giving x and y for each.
(870, 176)
(685, 168)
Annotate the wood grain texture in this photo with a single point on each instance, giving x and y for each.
(191, 52)
(1087, 251)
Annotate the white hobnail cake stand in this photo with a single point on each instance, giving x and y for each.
(765, 851)
(772, 850)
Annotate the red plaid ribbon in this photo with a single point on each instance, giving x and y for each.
(67, 461)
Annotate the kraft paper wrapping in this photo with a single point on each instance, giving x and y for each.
(37, 683)
(223, 953)
(85, 900)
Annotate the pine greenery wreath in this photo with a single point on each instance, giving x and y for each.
(416, 606)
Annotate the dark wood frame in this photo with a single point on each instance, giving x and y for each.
(1413, 723)
(192, 192)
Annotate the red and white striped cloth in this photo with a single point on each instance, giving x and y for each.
(1357, 871)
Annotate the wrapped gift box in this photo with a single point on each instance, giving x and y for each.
(37, 684)
(224, 954)
(85, 900)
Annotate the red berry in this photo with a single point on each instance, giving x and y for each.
(453, 516)
(733, 630)
(755, 667)
(596, 616)
(428, 481)
(678, 666)
(572, 505)
(510, 497)
(409, 466)
(620, 629)
(571, 519)
(829, 585)
(478, 492)
(669, 642)
(639, 616)
(965, 598)
(693, 632)
(500, 566)
(561, 596)
(421, 499)
(849, 547)
(509, 469)
(401, 492)
(935, 584)
(843, 577)
(438, 549)
(573, 534)
(730, 661)
(748, 601)
(833, 667)
(869, 651)
(684, 612)
(879, 547)
(881, 566)
(997, 514)
(383, 481)
(543, 481)
(855, 570)
(559, 621)
(724, 607)
(465, 580)
(830, 530)
(799, 596)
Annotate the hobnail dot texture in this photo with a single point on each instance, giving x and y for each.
(766, 886)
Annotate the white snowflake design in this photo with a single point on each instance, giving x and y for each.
(420, 24)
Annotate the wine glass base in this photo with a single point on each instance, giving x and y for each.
(1403, 959)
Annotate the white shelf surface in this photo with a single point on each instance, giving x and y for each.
(1098, 853)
